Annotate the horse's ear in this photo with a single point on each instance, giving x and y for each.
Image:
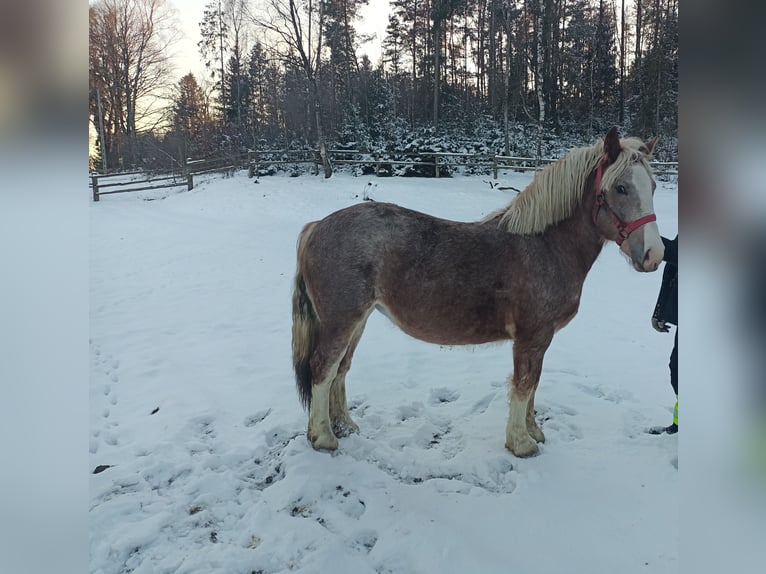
(612, 144)
(649, 145)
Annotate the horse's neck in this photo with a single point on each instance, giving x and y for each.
(577, 236)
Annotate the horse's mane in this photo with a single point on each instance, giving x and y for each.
(556, 191)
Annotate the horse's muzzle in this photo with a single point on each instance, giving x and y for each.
(651, 262)
(645, 249)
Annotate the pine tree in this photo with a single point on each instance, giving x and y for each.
(259, 113)
(214, 44)
(392, 44)
(189, 118)
(237, 90)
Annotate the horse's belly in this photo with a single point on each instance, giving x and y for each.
(442, 330)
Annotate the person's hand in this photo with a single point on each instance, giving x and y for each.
(660, 326)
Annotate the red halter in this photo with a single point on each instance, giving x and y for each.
(623, 228)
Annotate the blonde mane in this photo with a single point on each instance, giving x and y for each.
(556, 191)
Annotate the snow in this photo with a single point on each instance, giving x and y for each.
(193, 403)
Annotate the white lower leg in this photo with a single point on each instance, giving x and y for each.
(320, 431)
(517, 438)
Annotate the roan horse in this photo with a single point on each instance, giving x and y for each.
(517, 274)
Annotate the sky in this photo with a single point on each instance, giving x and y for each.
(374, 18)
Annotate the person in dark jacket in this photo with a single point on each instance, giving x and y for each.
(665, 313)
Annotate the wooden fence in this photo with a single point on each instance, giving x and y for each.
(435, 160)
(377, 161)
(98, 185)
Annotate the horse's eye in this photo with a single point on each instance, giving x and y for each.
(621, 189)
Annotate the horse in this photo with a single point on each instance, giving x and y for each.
(515, 275)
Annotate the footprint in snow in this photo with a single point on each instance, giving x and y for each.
(441, 395)
(481, 406)
(326, 507)
(363, 541)
(256, 418)
(612, 395)
(556, 418)
(406, 412)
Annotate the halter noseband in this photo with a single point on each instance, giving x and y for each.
(624, 229)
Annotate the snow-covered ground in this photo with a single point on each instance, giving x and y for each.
(193, 404)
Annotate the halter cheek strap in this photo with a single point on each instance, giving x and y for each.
(623, 229)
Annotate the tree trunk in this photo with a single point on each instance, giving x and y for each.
(639, 23)
(492, 58)
(506, 134)
(320, 132)
(414, 59)
(622, 63)
(506, 103)
(539, 71)
(481, 68)
(658, 63)
(223, 62)
(437, 70)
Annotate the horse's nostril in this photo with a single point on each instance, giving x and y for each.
(648, 264)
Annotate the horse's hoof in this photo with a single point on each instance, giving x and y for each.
(345, 428)
(536, 434)
(523, 448)
(324, 442)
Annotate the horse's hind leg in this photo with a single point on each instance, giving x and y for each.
(342, 423)
(329, 364)
(532, 428)
(324, 367)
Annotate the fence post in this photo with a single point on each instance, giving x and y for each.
(190, 181)
(316, 162)
(436, 166)
(256, 165)
(494, 166)
(94, 179)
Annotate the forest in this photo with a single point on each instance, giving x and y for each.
(529, 77)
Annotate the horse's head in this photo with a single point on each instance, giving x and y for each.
(624, 209)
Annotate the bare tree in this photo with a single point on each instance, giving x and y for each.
(129, 64)
(297, 26)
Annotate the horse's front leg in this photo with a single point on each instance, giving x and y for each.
(527, 366)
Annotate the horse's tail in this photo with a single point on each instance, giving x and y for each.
(305, 326)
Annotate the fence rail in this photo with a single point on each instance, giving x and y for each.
(130, 186)
(376, 160)
(437, 160)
